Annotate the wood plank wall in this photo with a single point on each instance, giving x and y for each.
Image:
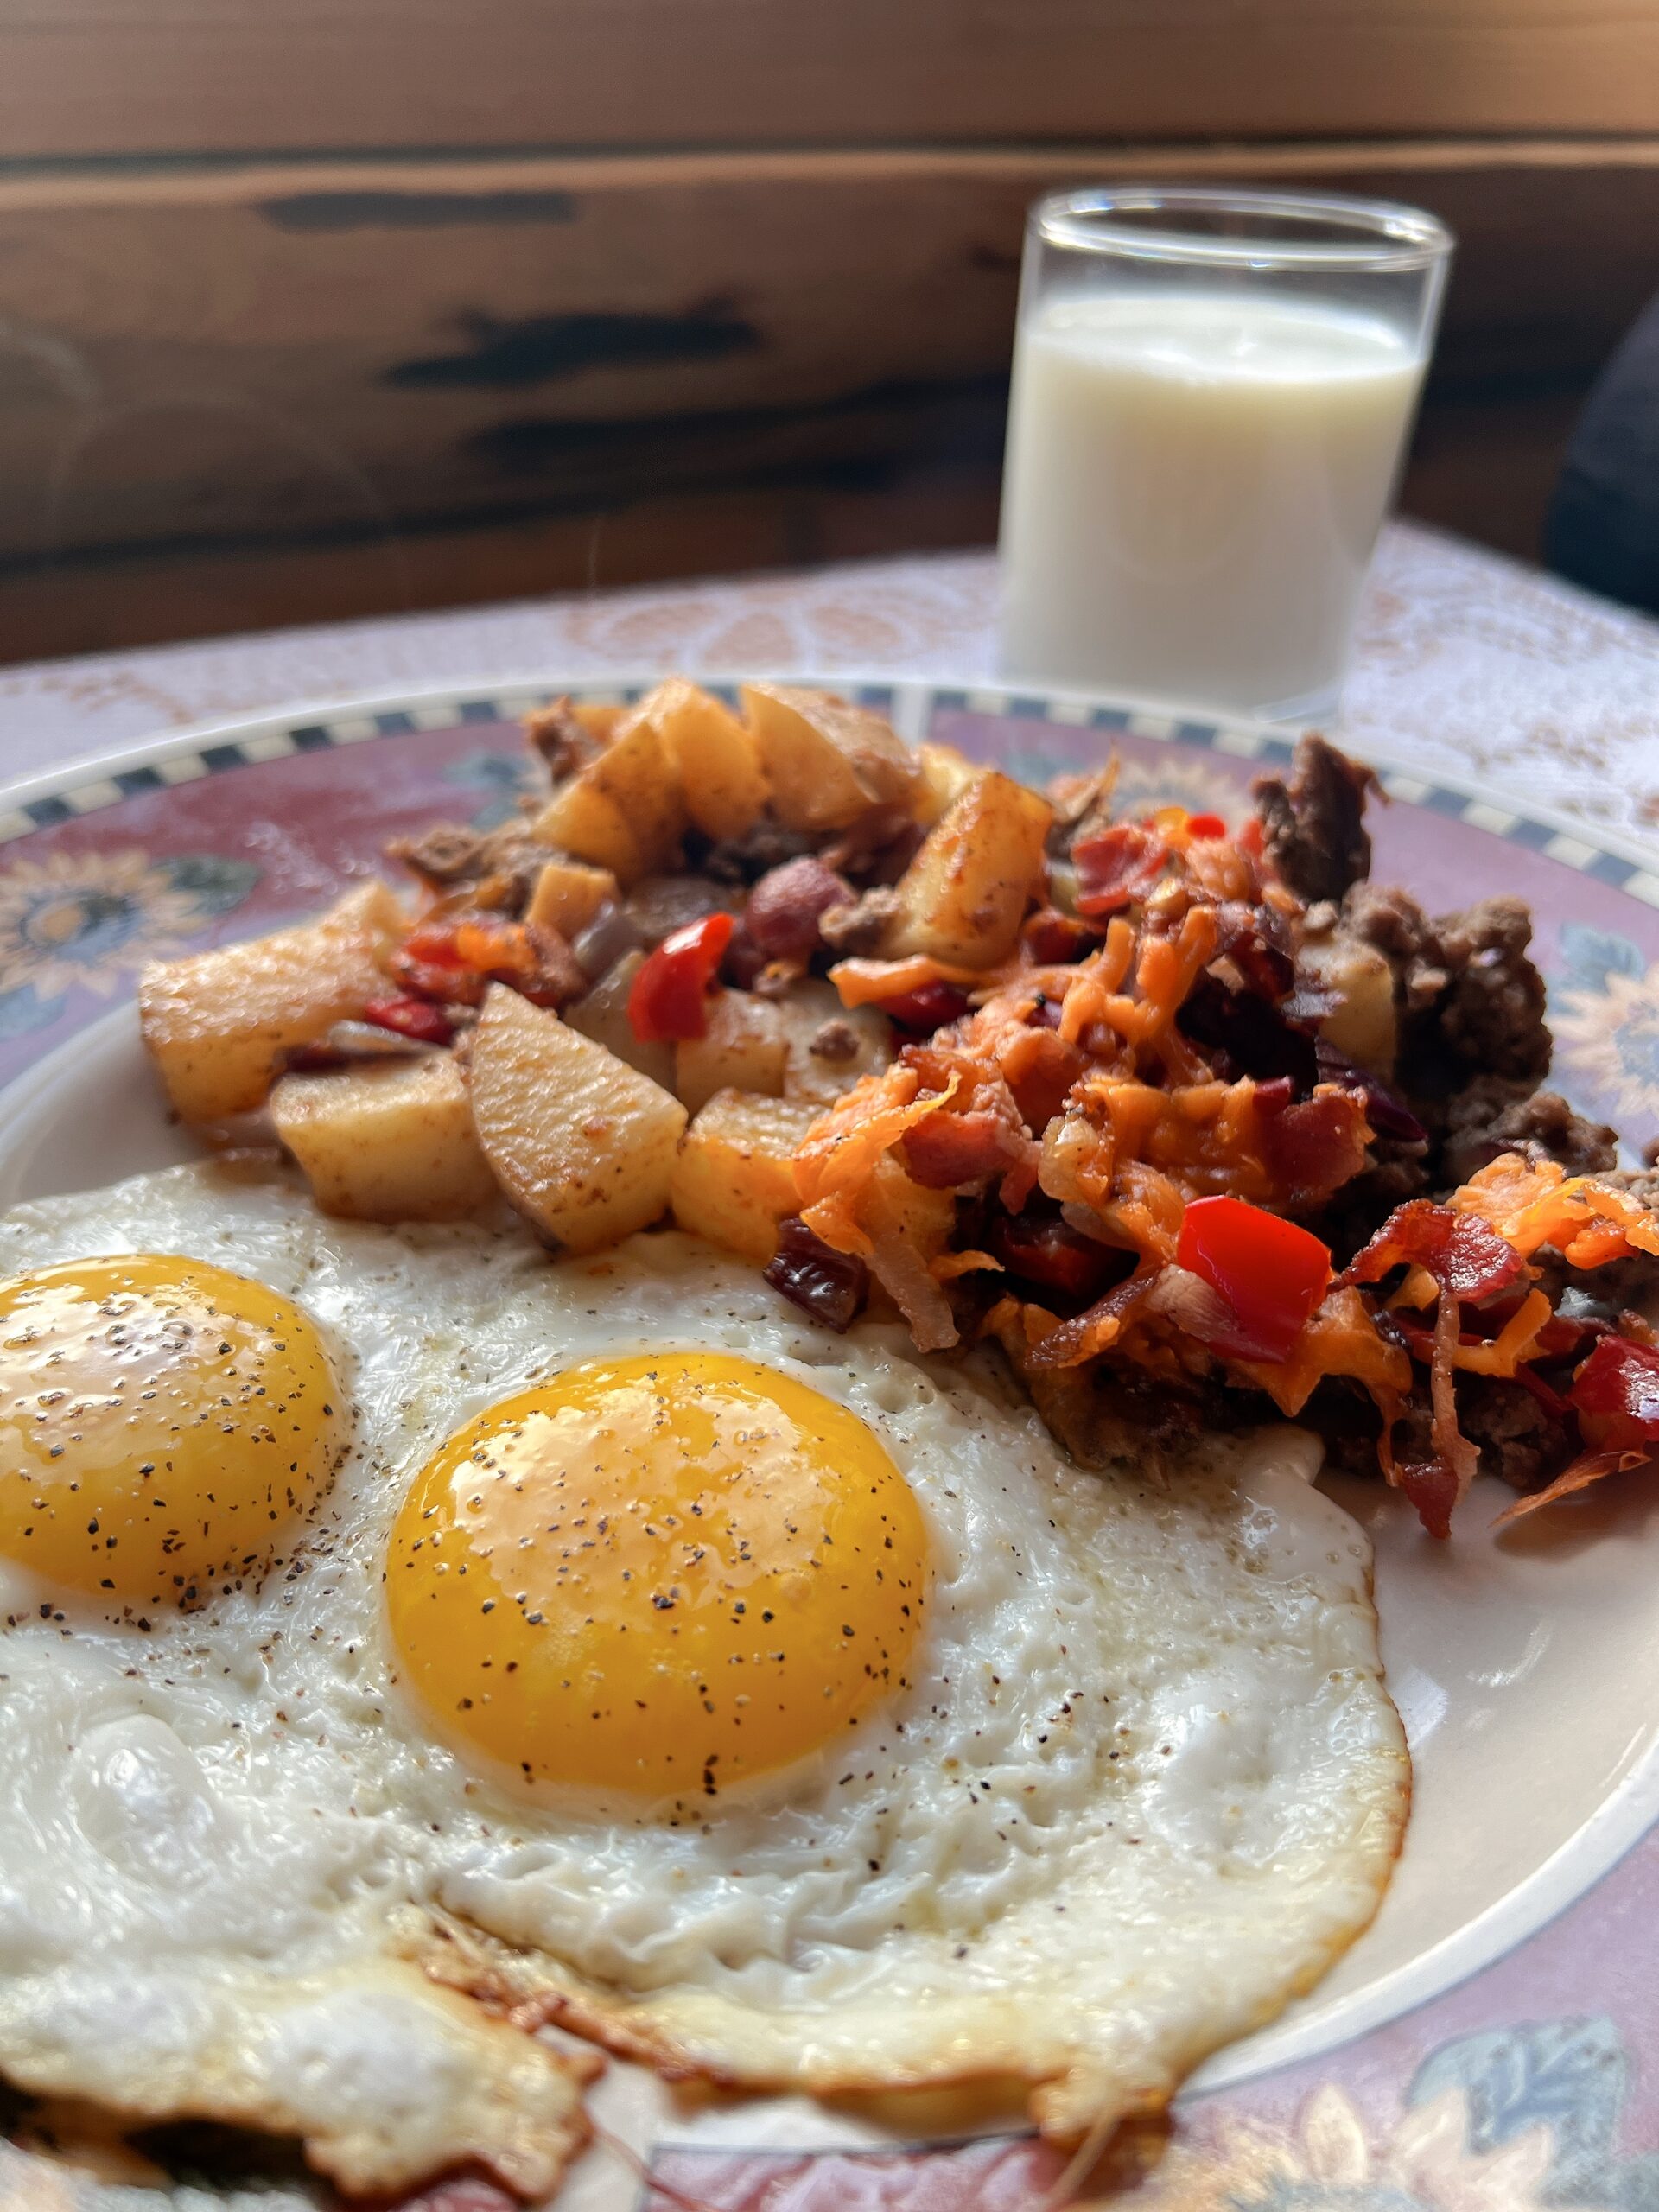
(317, 307)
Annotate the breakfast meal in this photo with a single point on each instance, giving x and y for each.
(702, 1460)
(1197, 1127)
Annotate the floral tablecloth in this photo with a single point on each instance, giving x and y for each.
(1467, 665)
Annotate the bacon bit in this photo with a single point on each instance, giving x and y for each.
(1589, 1467)
(1116, 866)
(1453, 1448)
(868, 983)
(1615, 1396)
(1461, 1252)
(1054, 940)
(1313, 1146)
(1432, 1487)
(982, 1134)
(1588, 1222)
(953, 1150)
(1097, 1331)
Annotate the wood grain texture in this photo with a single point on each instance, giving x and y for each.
(97, 77)
(417, 382)
(204, 356)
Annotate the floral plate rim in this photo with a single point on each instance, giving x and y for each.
(85, 785)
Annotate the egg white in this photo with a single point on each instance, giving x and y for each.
(1146, 1783)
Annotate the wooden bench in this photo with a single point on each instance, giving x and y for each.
(317, 307)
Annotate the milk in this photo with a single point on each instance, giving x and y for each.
(1194, 486)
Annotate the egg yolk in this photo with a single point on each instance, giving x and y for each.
(661, 1575)
(163, 1423)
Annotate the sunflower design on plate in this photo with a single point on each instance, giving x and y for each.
(1517, 2119)
(84, 920)
(1605, 1016)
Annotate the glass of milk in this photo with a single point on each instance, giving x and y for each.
(1213, 394)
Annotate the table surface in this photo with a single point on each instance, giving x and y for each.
(1466, 664)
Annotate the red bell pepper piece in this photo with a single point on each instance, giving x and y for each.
(1271, 1274)
(669, 1002)
(1206, 825)
(411, 1017)
(1615, 1396)
(928, 1007)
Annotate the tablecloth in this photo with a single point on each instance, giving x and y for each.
(1466, 663)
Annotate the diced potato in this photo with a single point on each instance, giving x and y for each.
(602, 1014)
(218, 1023)
(636, 774)
(581, 1143)
(810, 1010)
(635, 780)
(745, 1047)
(1364, 1022)
(734, 1177)
(584, 822)
(827, 762)
(568, 894)
(715, 756)
(389, 1141)
(965, 894)
(946, 775)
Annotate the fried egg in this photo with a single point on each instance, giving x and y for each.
(599, 1636)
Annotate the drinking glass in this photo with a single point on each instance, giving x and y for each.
(1213, 395)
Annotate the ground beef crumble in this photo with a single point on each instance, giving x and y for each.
(1496, 1114)
(1314, 824)
(1492, 1015)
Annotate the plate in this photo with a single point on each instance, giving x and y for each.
(1493, 2041)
